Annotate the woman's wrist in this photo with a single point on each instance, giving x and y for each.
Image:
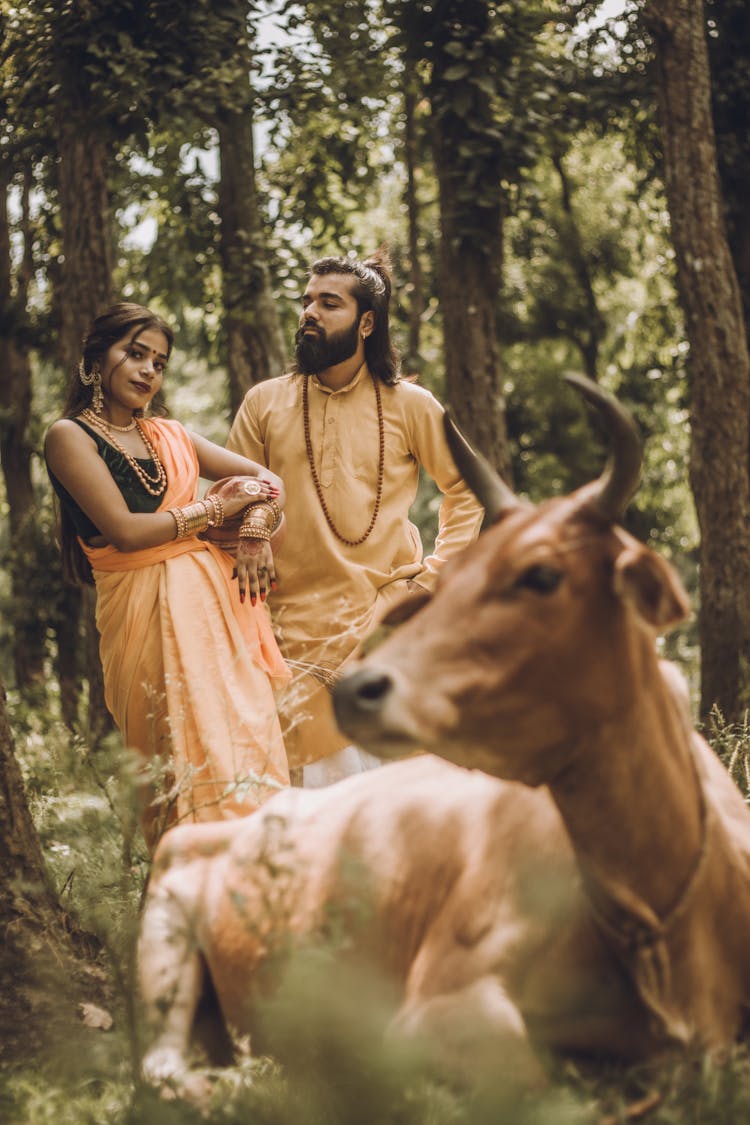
(260, 520)
(192, 519)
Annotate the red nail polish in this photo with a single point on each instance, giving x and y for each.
(273, 584)
(253, 599)
(242, 595)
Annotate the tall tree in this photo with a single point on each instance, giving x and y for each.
(209, 47)
(720, 365)
(458, 41)
(255, 344)
(15, 445)
(411, 147)
(85, 145)
(729, 55)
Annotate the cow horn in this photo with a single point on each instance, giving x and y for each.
(488, 486)
(620, 478)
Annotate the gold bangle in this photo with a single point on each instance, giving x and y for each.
(179, 519)
(191, 518)
(251, 530)
(217, 504)
(256, 512)
(276, 513)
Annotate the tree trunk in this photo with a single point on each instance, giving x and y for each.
(15, 451)
(86, 291)
(729, 56)
(467, 156)
(589, 340)
(254, 342)
(87, 237)
(43, 959)
(415, 286)
(720, 365)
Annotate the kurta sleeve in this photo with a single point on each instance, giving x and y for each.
(246, 435)
(460, 513)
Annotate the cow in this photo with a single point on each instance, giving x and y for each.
(555, 862)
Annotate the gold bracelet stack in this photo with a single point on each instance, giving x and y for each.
(194, 518)
(254, 526)
(216, 502)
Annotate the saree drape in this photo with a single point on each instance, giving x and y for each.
(189, 672)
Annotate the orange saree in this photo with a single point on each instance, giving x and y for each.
(188, 671)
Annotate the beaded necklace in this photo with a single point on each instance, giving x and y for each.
(123, 429)
(153, 485)
(313, 470)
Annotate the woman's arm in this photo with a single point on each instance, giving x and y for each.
(216, 462)
(74, 459)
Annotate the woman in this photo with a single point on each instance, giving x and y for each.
(188, 663)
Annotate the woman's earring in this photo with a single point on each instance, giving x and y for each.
(92, 379)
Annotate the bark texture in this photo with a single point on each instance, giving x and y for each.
(85, 290)
(253, 338)
(415, 286)
(720, 367)
(15, 448)
(468, 157)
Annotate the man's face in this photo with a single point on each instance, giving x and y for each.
(329, 324)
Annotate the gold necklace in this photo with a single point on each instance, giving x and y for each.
(313, 470)
(123, 429)
(153, 485)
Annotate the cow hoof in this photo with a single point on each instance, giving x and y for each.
(166, 1070)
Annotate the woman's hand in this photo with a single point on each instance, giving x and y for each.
(237, 492)
(255, 569)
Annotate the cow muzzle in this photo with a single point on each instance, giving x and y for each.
(365, 703)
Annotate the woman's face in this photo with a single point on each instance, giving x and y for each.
(133, 369)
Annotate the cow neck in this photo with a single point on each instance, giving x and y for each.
(634, 781)
(638, 871)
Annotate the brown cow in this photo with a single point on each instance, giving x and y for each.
(584, 885)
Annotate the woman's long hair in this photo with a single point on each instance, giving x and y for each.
(372, 290)
(111, 326)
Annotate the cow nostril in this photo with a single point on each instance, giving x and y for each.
(359, 697)
(373, 689)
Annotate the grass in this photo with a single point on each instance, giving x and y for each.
(341, 1070)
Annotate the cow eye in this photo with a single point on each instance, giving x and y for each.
(542, 579)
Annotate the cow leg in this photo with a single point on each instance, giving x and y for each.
(475, 1035)
(171, 978)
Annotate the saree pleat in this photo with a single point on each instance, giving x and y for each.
(189, 672)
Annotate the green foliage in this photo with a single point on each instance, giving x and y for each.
(625, 257)
(731, 741)
(324, 94)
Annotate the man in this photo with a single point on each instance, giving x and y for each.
(347, 436)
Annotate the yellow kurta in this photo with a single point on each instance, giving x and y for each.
(188, 670)
(329, 594)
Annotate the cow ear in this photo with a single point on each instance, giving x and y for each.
(652, 586)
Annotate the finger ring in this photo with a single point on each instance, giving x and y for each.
(253, 487)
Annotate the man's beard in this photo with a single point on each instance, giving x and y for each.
(317, 352)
